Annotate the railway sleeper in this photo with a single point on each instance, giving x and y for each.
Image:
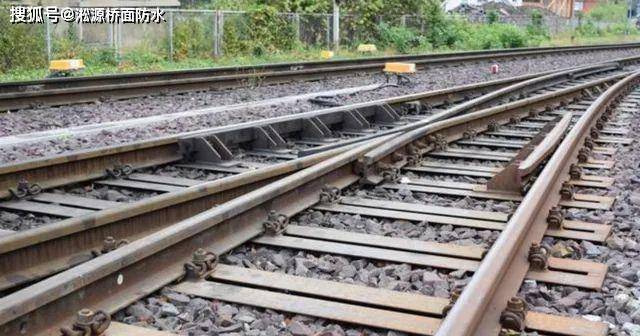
(578, 273)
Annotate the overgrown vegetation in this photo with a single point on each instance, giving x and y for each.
(264, 35)
(605, 19)
(20, 45)
(263, 30)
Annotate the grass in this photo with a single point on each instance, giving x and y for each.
(132, 67)
(566, 39)
(127, 66)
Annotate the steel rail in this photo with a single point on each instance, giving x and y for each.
(32, 254)
(510, 92)
(15, 95)
(531, 103)
(70, 242)
(116, 279)
(477, 311)
(90, 164)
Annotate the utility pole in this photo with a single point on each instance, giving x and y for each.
(336, 25)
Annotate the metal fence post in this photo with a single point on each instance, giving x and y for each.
(171, 36)
(118, 35)
(336, 26)
(47, 37)
(403, 21)
(220, 33)
(111, 41)
(215, 34)
(328, 37)
(296, 22)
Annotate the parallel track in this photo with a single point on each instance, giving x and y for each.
(545, 133)
(51, 92)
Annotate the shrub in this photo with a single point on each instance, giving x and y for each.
(21, 45)
(493, 16)
(269, 31)
(68, 45)
(265, 31)
(99, 56)
(142, 56)
(495, 36)
(400, 38)
(536, 28)
(192, 38)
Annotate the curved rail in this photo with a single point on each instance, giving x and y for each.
(113, 280)
(477, 310)
(71, 241)
(90, 164)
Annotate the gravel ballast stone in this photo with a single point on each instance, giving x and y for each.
(436, 77)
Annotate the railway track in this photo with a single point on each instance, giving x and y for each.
(237, 158)
(528, 152)
(62, 91)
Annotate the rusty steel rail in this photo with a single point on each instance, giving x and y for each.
(471, 122)
(478, 309)
(15, 95)
(33, 254)
(91, 164)
(112, 281)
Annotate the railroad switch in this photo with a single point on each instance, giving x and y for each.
(202, 262)
(24, 189)
(276, 223)
(538, 257)
(513, 317)
(555, 218)
(330, 194)
(88, 323)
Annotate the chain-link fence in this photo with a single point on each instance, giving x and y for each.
(210, 33)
